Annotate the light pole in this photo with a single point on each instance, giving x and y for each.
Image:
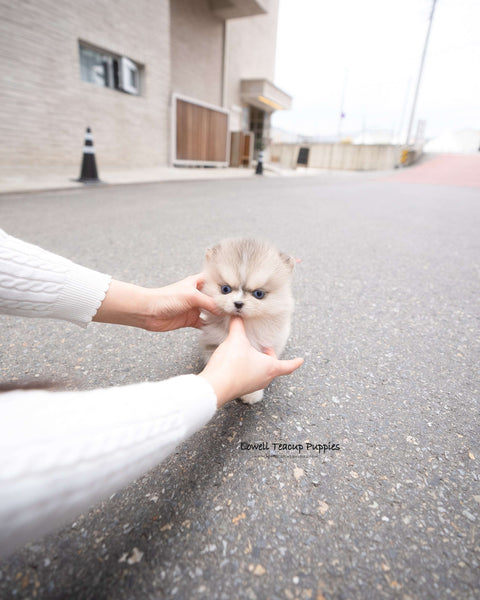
(414, 105)
(342, 104)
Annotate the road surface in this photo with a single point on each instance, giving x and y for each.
(387, 314)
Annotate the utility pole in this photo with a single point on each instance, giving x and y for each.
(342, 104)
(414, 105)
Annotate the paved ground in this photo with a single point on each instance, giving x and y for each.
(32, 179)
(387, 319)
(27, 180)
(443, 169)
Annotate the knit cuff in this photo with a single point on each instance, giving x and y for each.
(81, 296)
(198, 399)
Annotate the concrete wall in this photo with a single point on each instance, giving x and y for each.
(196, 50)
(45, 106)
(338, 156)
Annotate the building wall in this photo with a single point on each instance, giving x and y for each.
(196, 50)
(251, 45)
(197, 38)
(45, 106)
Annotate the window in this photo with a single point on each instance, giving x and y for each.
(129, 78)
(107, 70)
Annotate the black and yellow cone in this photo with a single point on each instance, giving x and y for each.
(89, 172)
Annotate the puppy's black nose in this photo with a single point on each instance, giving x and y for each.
(238, 305)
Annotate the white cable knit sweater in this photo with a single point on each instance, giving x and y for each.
(63, 451)
(37, 283)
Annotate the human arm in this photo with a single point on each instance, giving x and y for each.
(156, 309)
(64, 451)
(38, 283)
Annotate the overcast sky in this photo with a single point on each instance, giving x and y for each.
(372, 50)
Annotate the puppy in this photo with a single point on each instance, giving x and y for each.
(252, 279)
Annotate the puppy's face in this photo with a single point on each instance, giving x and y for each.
(248, 278)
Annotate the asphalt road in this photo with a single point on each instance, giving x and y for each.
(386, 317)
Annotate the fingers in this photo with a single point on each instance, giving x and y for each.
(270, 352)
(199, 280)
(206, 302)
(201, 299)
(283, 367)
(199, 322)
(236, 327)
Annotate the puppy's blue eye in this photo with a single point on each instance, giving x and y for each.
(226, 289)
(259, 294)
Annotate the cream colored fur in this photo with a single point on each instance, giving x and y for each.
(247, 265)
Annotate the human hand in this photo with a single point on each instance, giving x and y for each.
(236, 368)
(179, 305)
(160, 309)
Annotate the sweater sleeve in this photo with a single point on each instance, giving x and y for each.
(37, 283)
(64, 451)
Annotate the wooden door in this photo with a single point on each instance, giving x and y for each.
(201, 134)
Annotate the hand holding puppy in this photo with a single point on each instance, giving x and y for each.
(236, 368)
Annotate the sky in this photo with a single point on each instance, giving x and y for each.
(368, 52)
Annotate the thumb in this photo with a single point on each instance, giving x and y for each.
(285, 367)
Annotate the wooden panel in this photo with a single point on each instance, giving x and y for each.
(247, 155)
(201, 133)
(235, 141)
(241, 149)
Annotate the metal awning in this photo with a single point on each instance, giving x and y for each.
(262, 94)
(233, 9)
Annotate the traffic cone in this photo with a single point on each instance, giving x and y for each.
(89, 167)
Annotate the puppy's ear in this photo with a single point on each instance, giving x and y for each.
(210, 253)
(288, 260)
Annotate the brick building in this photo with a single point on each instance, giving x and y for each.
(159, 82)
